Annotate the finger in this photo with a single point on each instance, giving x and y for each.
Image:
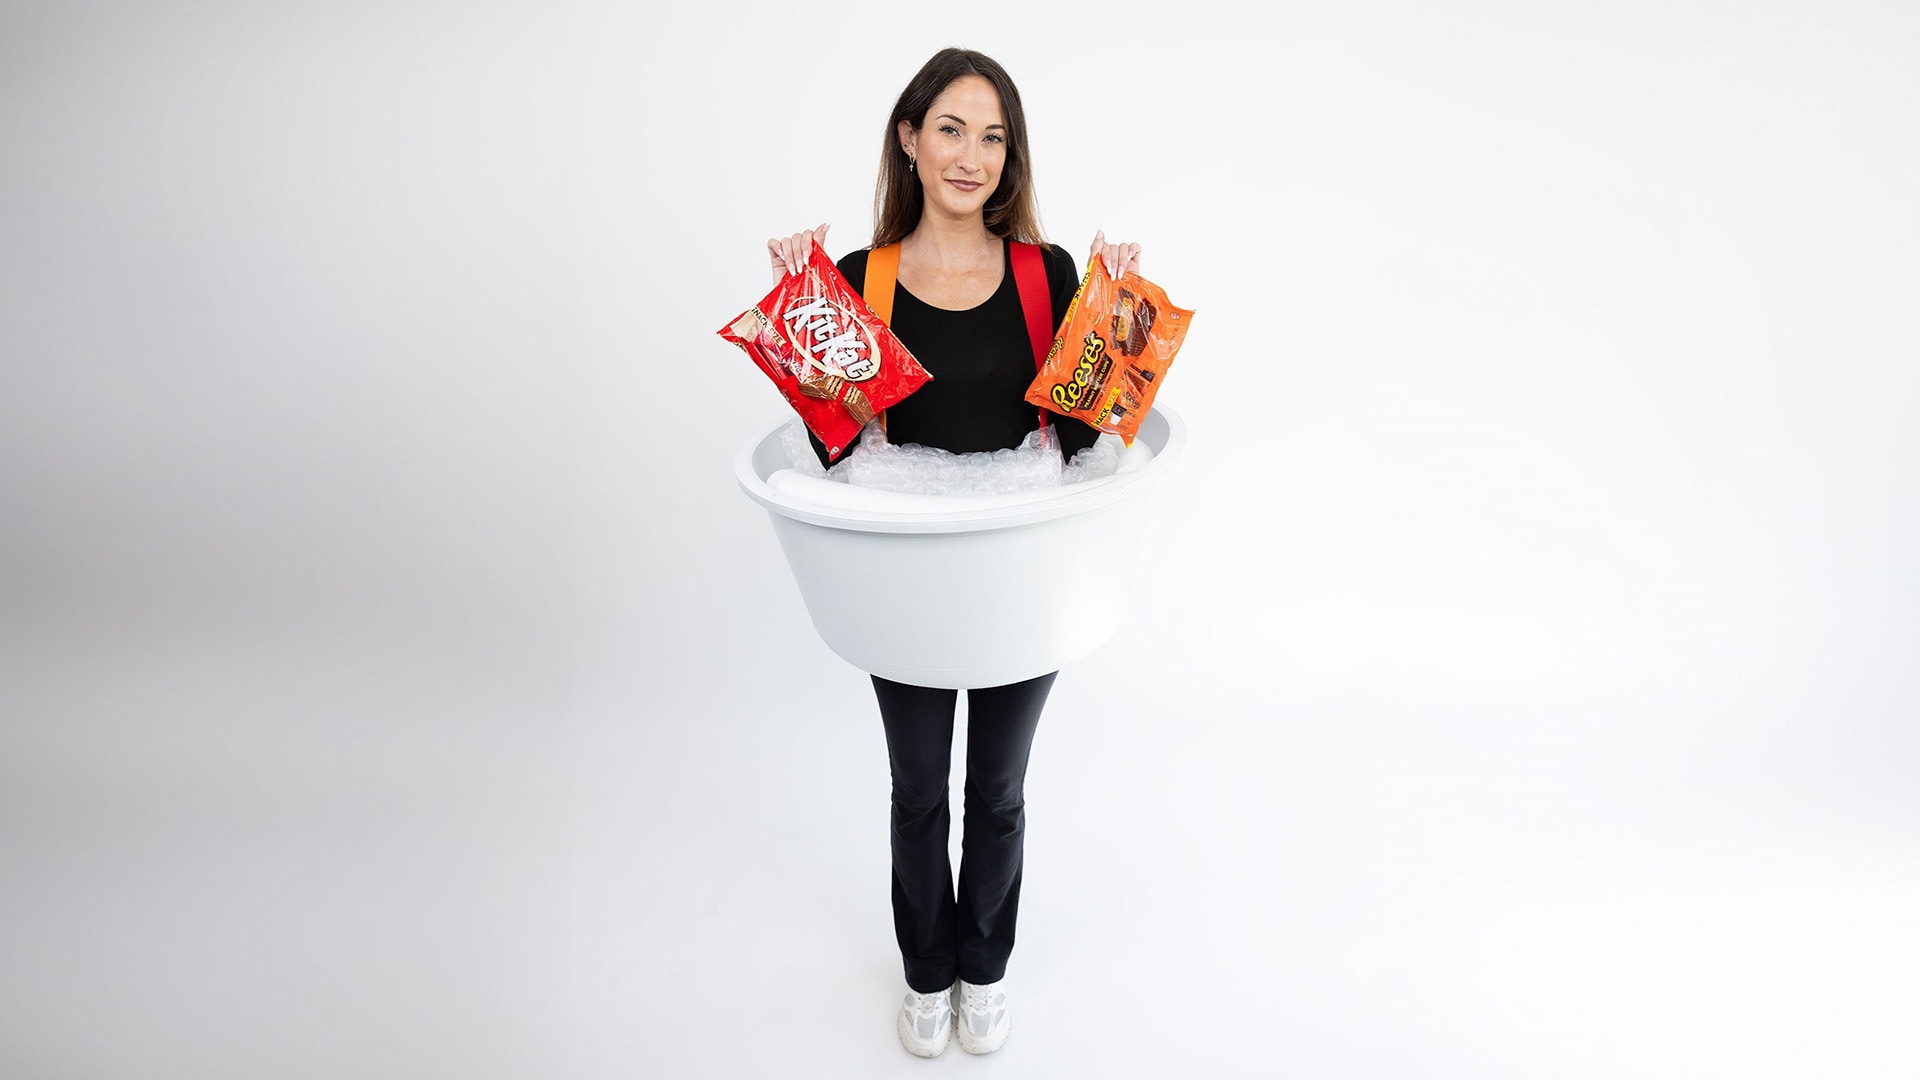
(812, 238)
(1093, 250)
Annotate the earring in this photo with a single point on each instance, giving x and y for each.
(909, 162)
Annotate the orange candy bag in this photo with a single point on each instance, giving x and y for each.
(1112, 352)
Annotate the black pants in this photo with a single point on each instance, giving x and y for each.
(971, 936)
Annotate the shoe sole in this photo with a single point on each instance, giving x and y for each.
(986, 1044)
(914, 1046)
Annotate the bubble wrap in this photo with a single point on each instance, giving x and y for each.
(793, 439)
(1096, 461)
(923, 470)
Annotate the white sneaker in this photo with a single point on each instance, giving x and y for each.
(926, 1022)
(982, 1016)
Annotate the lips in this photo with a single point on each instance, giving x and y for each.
(965, 185)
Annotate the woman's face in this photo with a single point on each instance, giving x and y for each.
(960, 149)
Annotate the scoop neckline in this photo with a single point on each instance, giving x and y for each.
(1006, 275)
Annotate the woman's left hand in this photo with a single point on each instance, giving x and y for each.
(1121, 258)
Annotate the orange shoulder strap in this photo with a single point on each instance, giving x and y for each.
(883, 269)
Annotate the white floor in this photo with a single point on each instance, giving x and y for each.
(363, 857)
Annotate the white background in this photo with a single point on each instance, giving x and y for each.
(394, 682)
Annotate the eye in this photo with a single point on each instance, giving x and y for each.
(949, 129)
(995, 138)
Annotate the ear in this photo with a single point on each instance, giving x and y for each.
(909, 138)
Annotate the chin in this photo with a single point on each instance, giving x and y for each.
(963, 206)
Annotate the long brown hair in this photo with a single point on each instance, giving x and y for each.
(1011, 211)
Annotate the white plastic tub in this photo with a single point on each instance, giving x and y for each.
(964, 591)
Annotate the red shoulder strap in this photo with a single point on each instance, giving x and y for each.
(1036, 300)
(1030, 278)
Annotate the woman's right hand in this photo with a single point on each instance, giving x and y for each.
(790, 254)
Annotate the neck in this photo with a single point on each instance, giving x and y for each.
(951, 241)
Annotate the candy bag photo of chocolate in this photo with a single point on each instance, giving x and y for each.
(1112, 352)
(831, 357)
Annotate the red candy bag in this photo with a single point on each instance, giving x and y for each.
(833, 359)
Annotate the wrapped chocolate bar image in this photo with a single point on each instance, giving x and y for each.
(1132, 322)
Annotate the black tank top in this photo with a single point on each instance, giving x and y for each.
(981, 361)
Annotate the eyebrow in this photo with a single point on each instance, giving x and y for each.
(963, 123)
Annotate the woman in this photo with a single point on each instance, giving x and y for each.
(955, 186)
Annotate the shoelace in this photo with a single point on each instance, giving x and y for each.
(930, 1004)
(976, 998)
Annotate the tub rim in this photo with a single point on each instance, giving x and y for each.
(978, 519)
